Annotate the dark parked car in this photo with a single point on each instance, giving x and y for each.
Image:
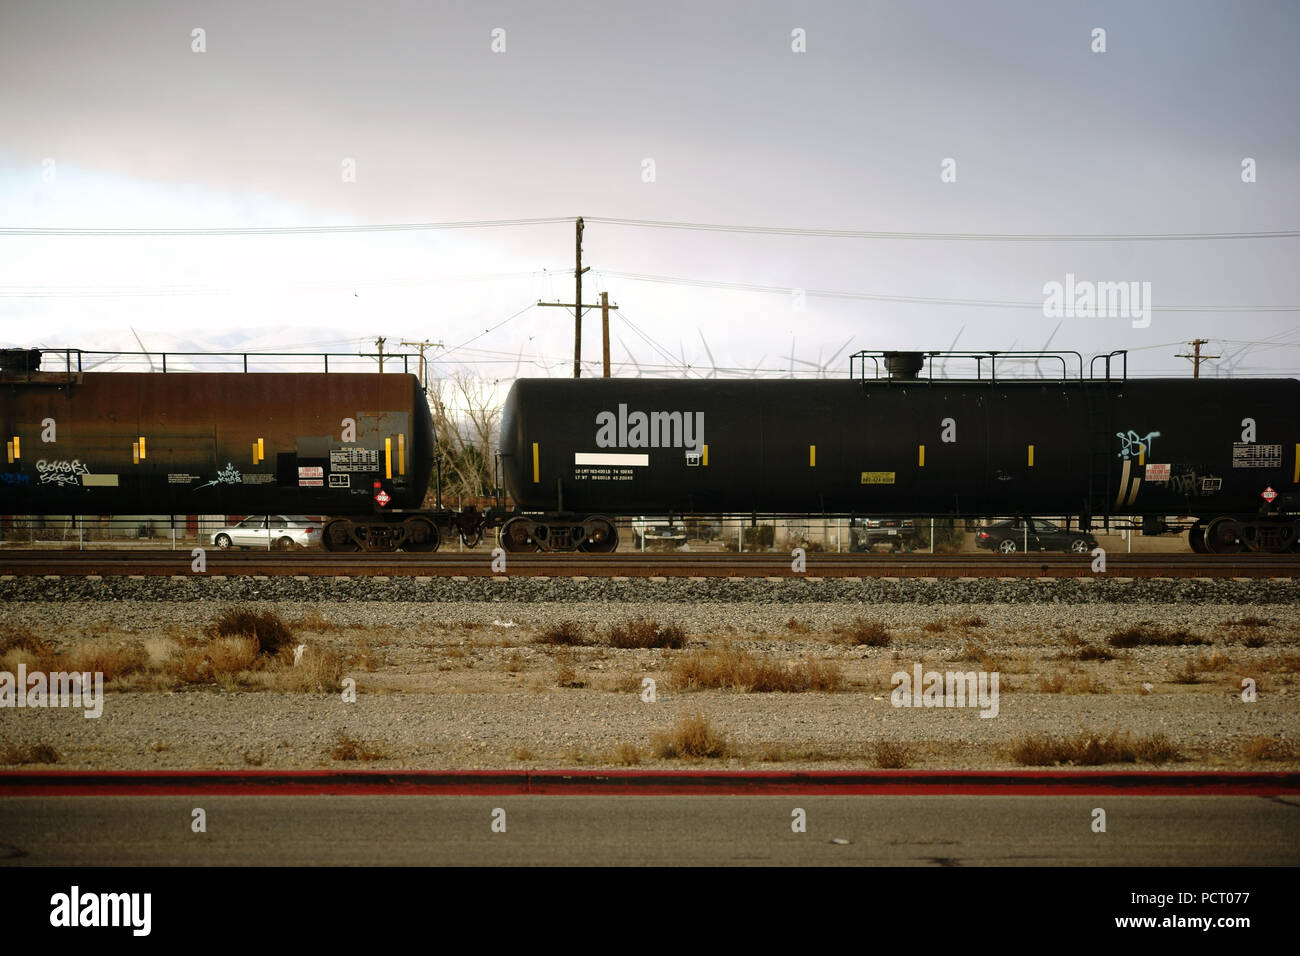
(1035, 534)
(898, 533)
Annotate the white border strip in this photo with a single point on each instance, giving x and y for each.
(590, 458)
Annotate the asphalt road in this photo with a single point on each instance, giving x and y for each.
(673, 830)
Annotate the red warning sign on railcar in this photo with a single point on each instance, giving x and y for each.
(1268, 494)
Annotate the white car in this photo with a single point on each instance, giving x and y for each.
(270, 531)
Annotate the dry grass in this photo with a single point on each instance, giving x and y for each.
(624, 755)
(690, 738)
(1259, 749)
(1144, 635)
(515, 663)
(523, 753)
(1090, 749)
(643, 632)
(729, 668)
(39, 752)
(565, 633)
(889, 755)
(317, 622)
(346, 747)
(1249, 620)
(567, 676)
(318, 672)
(1091, 652)
(863, 633)
(1061, 683)
(795, 626)
(935, 627)
(254, 758)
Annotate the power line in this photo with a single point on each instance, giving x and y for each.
(655, 224)
(282, 230)
(912, 299)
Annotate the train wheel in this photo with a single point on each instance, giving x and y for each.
(1223, 536)
(515, 537)
(603, 537)
(223, 541)
(337, 536)
(421, 535)
(1196, 538)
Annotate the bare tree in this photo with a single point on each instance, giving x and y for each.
(466, 422)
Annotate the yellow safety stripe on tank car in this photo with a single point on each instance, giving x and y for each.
(401, 453)
(920, 456)
(1295, 478)
(135, 453)
(1031, 456)
(14, 448)
(537, 474)
(261, 451)
(388, 458)
(704, 455)
(1142, 455)
(812, 456)
(142, 454)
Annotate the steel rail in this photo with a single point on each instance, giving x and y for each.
(180, 563)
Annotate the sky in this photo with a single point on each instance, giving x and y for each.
(965, 133)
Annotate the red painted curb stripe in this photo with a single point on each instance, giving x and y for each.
(643, 782)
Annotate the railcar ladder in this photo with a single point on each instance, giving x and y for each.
(1101, 448)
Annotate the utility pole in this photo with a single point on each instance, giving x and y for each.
(1196, 356)
(426, 344)
(604, 330)
(577, 305)
(380, 343)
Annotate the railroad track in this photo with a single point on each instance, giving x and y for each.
(479, 564)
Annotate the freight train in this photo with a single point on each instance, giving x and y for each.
(577, 454)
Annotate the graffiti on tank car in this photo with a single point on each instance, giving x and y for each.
(225, 476)
(1133, 445)
(1193, 480)
(61, 472)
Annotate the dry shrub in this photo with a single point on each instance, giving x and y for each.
(1060, 683)
(20, 637)
(889, 755)
(934, 627)
(362, 656)
(514, 663)
(1090, 749)
(315, 621)
(691, 737)
(566, 675)
(970, 620)
(625, 683)
(318, 671)
(1051, 685)
(1254, 638)
(728, 668)
(796, 626)
(1144, 635)
(566, 633)
(106, 657)
(271, 632)
(1270, 748)
(39, 752)
(1249, 620)
(350, 748)
(625, 755)
(230, 655)
(523, 753)
(254, 758)
(1091, 652)
(1188, 675)
(643, 632)
(863, 633)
